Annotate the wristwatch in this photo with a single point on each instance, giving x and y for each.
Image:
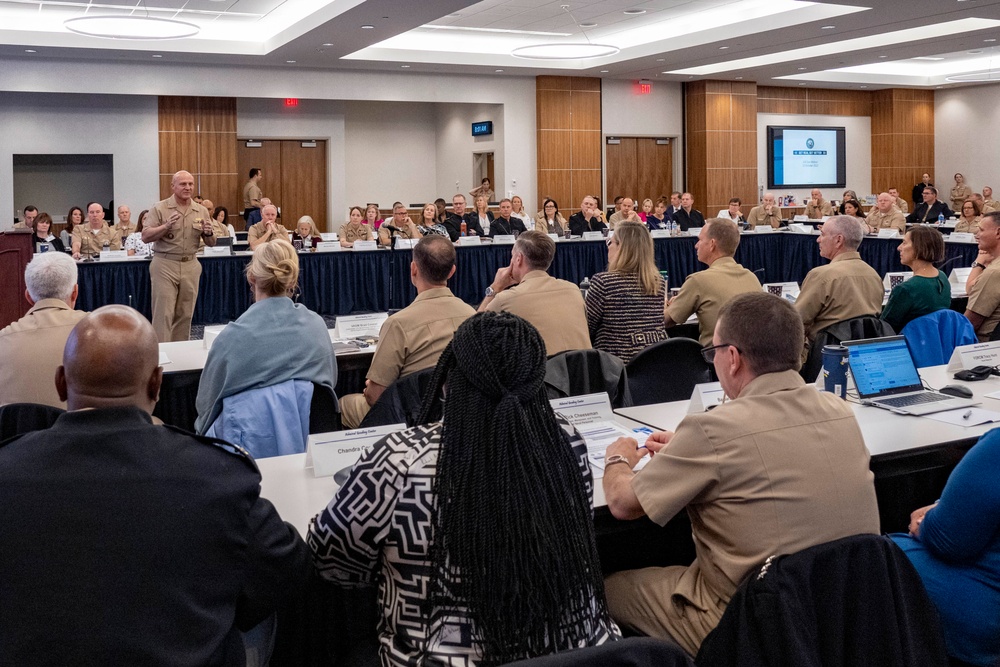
(981, 266)
(617, 458)
(490, 292)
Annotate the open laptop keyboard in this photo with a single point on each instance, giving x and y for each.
(913, 399)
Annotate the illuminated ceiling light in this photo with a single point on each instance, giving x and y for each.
(506, 31)
(926, 58)
(588, 25)
(634, 12)
(131, 27)
(405, 66)
(565, 51)
(367, 27)
(604, 71)
(30, 51)
(989, 40)
(828, 27)
(157, 55)
(290, 62)
(498, 70)
(723, 48)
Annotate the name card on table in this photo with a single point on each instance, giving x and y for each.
(693, 231)
(588, 409)
(706, 396)
(977, 354)
(894, 278)
(113, 255)
(660, 233)
(888, 233)
(211, 333)
(962, 237)
(328, 236)
(360, 326)
(960, 275)
(328, 453)
(801, 218)
(800, 228)
(763, 229)
(328, 246)
(365, 245)
(473, 240)
(593, 236)
(218, 250)
(403, 244)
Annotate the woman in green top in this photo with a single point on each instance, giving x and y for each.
(928, 290)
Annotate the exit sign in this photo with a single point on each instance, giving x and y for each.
(644, 88)
(291, 101)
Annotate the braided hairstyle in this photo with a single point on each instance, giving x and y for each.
(513, 531)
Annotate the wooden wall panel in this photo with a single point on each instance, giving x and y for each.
(902, 138)
(178, 151)
(568, 124)
(177, 114)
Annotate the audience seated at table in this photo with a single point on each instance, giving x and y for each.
(931, 209)
(734, 212)
(625, 303)
(706, 292)
(93, 236)
(818, 208)
(355, 229)
(373, 217)
(852, 208)
(767, 213)
(848, 196)
(429, 224)
(267, 229)
(483, 554)
(31, 349)
(658, 219)
(413, 338)
(134, 245)
(41, 227)
(458, 217)
(955, 546)
(885, 215)
(928, 290)
(518, 211)
(588, 219)
(73, 218)
(626, 213)
(481, 216)
(550, 220)
(687, 216)
(645, 209)
(970, 215)
(399, 225)
(275, 340)
(505, 223)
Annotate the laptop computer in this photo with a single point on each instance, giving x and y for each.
(886, 377)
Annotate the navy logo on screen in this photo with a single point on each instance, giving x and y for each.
(810, 143)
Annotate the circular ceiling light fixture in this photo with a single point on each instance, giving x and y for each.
(565, 51)
(131, 27)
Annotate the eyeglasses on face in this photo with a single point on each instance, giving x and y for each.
(709, 352)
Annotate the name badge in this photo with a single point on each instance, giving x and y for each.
(365, 245)
(593, 236)
(113, 255)
(508, 239)
(962, 237)
(470, 240)
(888, 233)
(329, 453)
(218, 250)
(328, 246)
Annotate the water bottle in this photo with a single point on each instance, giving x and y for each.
(463, 228)
(107, 246)
(666, 281)
(940, 218)
(584, 286)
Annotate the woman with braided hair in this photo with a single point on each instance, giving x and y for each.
(477, 527)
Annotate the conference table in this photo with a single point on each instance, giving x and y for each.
(341, 283)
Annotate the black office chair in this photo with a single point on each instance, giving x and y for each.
(401, 402)
(667, 371)
(854, 601)
(324, 411)
(20, 418)
(581, 372)
(856, 328)
(630, 652)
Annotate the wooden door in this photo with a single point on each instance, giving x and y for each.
(639, 168)
(267, 158)
(303, 184)
(489, 174)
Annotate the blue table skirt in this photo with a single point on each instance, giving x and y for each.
(346, 282)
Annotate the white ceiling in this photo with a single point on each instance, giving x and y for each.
(773, 42)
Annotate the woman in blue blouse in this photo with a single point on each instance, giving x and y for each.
(955, 546)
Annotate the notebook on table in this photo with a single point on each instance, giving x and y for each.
(886, 377)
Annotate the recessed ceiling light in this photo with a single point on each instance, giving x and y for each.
(635, 12)
(828, 27)
(498, 70)
(989, 40)
(660, 60)
(157, 55)
(863, 86)
(588, 25)
(883, 56)
(327, 44)
(564, 51)
(405, 66)
(290, 62)
(604, 71)
(802, 69)
(723, 48)
(802, 84)
(30, 51)
(131, 27)
(738, 78)
(452, 16)
(367, 27)
(926, 58)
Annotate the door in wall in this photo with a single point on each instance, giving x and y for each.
(638, 167)
(294, 177)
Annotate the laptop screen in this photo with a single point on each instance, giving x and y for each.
(882, 366)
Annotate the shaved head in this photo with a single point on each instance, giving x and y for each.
(111, 359)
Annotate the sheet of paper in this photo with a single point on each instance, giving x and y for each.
(600, 435)
(966, 416)
(992, 394)
(164, 359)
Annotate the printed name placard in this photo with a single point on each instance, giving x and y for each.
(660, 233)
(403, 244)
(328, 453)
(328, 236)
(218, 250)
(800, 228)
(593, 236)
(962, 237)
(212, 332)
(888, 233)
(763, 229)
(960, 276)
(585, 409)
(113, 255)
(555, 237)
(977, 354)
(693, 231)
(328, 246)
(706, 395)
(504, 239)
(470, 240)
(360, 326)
(365, 245)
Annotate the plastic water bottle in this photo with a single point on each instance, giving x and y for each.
(940, 218)
(584, 286)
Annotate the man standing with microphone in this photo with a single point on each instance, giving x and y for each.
(174, 226)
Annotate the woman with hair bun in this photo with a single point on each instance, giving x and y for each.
(478, 524)
(274, 341)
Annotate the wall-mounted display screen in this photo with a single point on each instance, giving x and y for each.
(806, 157)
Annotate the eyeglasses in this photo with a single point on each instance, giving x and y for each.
(709, 352)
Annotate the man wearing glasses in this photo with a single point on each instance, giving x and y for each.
(779, 468)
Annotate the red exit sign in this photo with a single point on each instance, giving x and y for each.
(643, 88)
(291, 101)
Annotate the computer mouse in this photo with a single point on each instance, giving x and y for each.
(956, 390)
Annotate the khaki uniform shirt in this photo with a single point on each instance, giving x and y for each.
(251, 192)
(125, 230)
(892, 220)
(260, 229)
(984, 300)
(990, 205)
(185, 238)
(781, 468)
(964, 225)
(821, 208)
(554, 307)
(758, 216)
(706, 292)
(413, 339)
(618, 217)
(846, 287)
(959, 194)
(91, 243)
(218, 229)
(901, 204)
(31, 349)
(352, 233)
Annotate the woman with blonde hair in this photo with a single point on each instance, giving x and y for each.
(274, 341)
(517, 211)
(646, 209)
(625, 303)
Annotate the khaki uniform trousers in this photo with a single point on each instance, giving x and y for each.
(175, 291)
(353, 409)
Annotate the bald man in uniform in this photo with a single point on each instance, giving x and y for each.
(268, 228)
(175, 226)
(106, 515)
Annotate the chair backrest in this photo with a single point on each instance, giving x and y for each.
(630, 652)
(20, 418)
(581, 372)
(267, 421)
(667, 371)
(401, 402)
(933, 337)
(853, 601)
(856, 328)
(324, 411)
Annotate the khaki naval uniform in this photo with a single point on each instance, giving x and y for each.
(964, 225)
(984, 300)
(821, 209)
(410, 341)
(892, 220)
(706, 292)
(405, 232)
(618, 217)
(777, 470)
(901, 204)
(990, 205)
(250, 193)
(554, 307)
(351, 233)
(758, 216)
(31, 349)
(125, 230)
(175, 271)
(93, 243)
(259, 229)
(959, 194)
(846, 287)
